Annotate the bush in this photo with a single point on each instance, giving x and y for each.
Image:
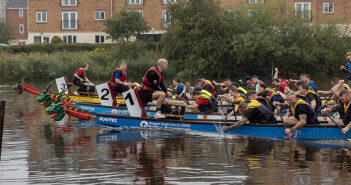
(56, 40)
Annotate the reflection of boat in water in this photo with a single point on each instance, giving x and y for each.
(135, 135)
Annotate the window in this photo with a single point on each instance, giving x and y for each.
(69, 38)
(68, 2)
(69, 20)
(328, 7)
(21, 28)
(169, 1)
(41, 17)
(166, 19)
(41, 39)
(99, 39)
(303, 10)
(21, 12)
(256, 1)
(140, 11)
(99, 15)
(134, 2)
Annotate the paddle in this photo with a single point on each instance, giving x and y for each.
(349, 137)
(281, 117)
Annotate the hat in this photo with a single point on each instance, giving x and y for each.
(348, 53)
(196, 88)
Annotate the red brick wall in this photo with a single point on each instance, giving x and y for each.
(13, 18)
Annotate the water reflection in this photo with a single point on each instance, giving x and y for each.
(38, 150)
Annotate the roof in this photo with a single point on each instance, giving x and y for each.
(15, 4)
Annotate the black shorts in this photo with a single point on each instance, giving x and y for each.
(145, 96)
(120, 89)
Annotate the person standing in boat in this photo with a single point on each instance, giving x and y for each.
(81, 80)
(301, 113)
(343, 109)
(153, 87)
(205, 101)
(118, 79)
(253, 112)
(348, 67)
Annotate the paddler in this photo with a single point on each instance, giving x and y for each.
(311, 97)
(205, 101)
(338, 86)
(253, 112)
(118, 79)
(343, 108)
(181, 89)
(348, 67)
(271, 96)
(307, 80)
(207, 85)
(301, 113)
(81, 80)
(280, 83)
(153, 87)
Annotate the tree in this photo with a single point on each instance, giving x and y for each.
(5, 32)
(125, 25)
(56, 40)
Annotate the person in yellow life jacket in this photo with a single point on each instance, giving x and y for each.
(81, 80)
(253, 112)
(205, 101)
(271, 96)
(344, 109)
(301, 114)
(207, 85)
(311, 97)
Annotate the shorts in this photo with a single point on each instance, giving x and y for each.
(120, 89)
(145, 96)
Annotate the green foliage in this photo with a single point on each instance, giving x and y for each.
(5, 32)
(125, 25)
(206, 39)
(56, 40)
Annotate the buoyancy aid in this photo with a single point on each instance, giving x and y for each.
(242, 90)
(146, 84)
(213, 90)
(312, 118)
(346, 107)
(177, 88)
(318, 99)
(83, 76)
(123, 77)
(346, 87)
(210, 98)
(264, 115)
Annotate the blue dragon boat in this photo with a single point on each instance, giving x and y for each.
(320, 132)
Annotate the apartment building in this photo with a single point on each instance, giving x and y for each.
(16, 16)
(2, 10)
(83, 20)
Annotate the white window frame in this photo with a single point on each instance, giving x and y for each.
(19, 28)
(99, 13)
(20, 12)
(328, 4)
(165, 19)
(140, 11)
(41, 17)
(42, 38)
(69, 21)
(169, 1)
(100, 36)
(63, 38)
(69, 3)
(302, 6)
(135, 2)
(255, 1)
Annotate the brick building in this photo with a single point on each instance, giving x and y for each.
(83, 20)
(16, 16)
(2, 10)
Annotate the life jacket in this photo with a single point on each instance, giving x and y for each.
(146, 84)
(273, 93)
(123, 77)
(265, 115)
(210, 98)
(346, 87)
(312, 118)
(137, 84)
(180, 84)
(213, 90)
(83, 76)
(242, 90)
(346, 107)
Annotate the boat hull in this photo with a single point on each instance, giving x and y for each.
(254, 130)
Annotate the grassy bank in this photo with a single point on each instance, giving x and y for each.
(102, 61)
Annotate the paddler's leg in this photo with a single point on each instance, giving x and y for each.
(160, 97)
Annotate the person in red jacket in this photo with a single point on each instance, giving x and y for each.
(118, 79)
(81, 80)
(153, 87)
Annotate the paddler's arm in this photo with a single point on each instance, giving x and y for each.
(236, 124)
(193, 106)
(345, 129)
(282, 95)
(325, 93)
(81, 79)
(117, 77)
(313, 104)
(301, 123)
(327, 111)
(276, 73)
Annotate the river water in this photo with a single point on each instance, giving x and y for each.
(38, 150)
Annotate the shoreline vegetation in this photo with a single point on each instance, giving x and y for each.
(203, 39)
